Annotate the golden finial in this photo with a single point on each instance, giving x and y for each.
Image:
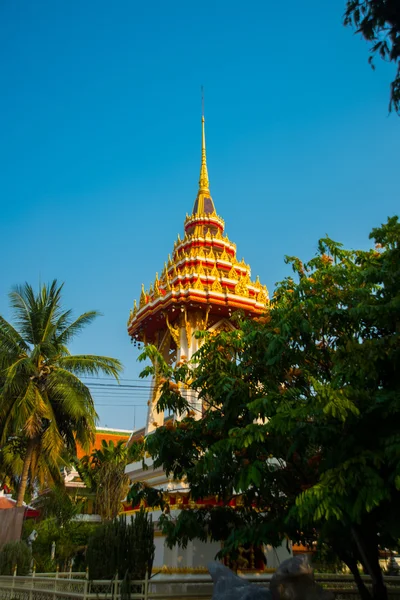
(142, 297)
(156, 286)
(204, 184)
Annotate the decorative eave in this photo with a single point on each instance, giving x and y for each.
(192, 298)
(204, 219)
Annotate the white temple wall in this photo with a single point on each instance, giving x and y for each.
(204, 552)
(158, 552)
(197, 554)
(277, 555)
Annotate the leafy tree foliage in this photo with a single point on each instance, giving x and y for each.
(42, 400)
(301, 414)
(58, 505)
(378, 21)
(71, 540)
(104, 474)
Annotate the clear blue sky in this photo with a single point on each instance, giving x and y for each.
(100, 134)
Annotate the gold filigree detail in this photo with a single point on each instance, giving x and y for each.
(233, 274)
(198, 285)
(216, 286)
(241, 288)
(214, 272)
(188, 329)
(201, 253)
(211, 255)
(205, 320)
(262, 297)
(225, 256)
(218, 235)
(200, 269)
(174, 331)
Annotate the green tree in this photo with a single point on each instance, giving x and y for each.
(55, 503)
(104, 474)
(378, 21)
(70, 538)
(301, 416)
(42, 398)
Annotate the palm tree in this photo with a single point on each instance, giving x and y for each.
(42, 398)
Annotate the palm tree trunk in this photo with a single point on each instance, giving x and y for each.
(25, 472)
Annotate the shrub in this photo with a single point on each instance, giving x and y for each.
(15, 553)
(123, 547)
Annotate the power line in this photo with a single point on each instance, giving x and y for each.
(111, 378)
(119, 386)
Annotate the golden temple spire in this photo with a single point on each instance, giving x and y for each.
(204, 184)
(203, 203)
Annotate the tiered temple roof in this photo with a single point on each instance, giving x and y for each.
(203, 272)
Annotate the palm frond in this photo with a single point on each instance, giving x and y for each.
(52, 443)
(16, 410)
(15, 375)
(76, 327)
(90, 364)
(70, 395)
(23, 302)
(50, 309)
(10, 340)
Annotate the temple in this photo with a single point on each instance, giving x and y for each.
(201, 285)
